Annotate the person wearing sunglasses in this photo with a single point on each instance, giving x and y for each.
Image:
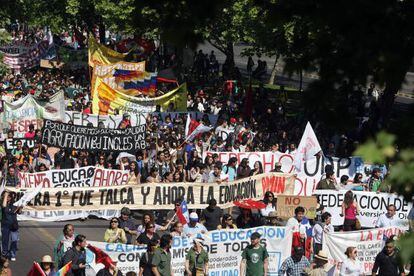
(227, 222)
(351, 266)
(114, 234)
(149, 235)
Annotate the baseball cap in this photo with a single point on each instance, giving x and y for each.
(194, 216)
(233, 120)
(255, 235)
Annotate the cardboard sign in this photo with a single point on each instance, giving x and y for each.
(286, 205)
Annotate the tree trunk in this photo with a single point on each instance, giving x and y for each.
(300, 79)
(273, 73)
(102, 32)
(229, 65)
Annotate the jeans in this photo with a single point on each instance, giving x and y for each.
(8, 242)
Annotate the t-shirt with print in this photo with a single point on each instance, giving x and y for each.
(254, 260)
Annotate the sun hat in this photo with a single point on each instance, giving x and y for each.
(47, 259)
(322, 255)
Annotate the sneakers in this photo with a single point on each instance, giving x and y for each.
(13, 259)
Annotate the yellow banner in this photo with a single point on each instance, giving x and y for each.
(106, 72)
(107, 100)
(100, 54)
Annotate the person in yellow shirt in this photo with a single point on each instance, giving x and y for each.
(114, 234)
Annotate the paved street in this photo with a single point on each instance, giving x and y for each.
(38, 239)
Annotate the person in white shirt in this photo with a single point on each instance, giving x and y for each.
(351, 266)
(387, 219)
(217, 175)
(194, 227)
(294, 223)
(319, 229)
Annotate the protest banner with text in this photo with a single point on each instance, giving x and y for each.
(224, 248)
(311, 172)
(80, 177)
(158, 196)
(286, 205)
(107, 121)
(20, 114)
(367, 242)
(73, 137)
(107, 100)
(11, 144)
(371, 206)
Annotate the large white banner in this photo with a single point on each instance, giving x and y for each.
(367, 242)
(20, 114)
(109, 121)
(371, 206)
(65, 215)
(224, 249)
(311, 172)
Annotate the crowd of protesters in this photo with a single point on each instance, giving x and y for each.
(170, 158)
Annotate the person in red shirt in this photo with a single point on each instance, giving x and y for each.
(31, 133)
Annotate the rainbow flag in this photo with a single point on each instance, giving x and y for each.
(121, 74)
(144, 82)
(65, 269)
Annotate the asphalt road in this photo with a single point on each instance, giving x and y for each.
(38, 239)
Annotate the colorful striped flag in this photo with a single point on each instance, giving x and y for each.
(65, 269)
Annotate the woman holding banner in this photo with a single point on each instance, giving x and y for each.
(351, 266)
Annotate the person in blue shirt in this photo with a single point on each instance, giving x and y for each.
(230, 169)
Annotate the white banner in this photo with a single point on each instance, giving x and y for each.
(367, 242)
(371, 206)
(65, 215)
(109, 121)
(224, 249)
(80, 177)
(25, 111)
(311, 172)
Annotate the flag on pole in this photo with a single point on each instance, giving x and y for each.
(308, 147)
(29, 195)
(100, 256)
(65, 269)
(200, 129)
(182, 213)
(36, 270)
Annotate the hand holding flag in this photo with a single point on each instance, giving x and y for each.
(182, 213)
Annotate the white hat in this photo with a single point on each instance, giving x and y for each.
(322, 255)
(193, 216)
(47, 259)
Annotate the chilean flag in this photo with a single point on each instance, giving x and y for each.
(182, 213)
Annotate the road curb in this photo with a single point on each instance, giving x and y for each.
(405, 95)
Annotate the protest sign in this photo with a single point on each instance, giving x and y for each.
(310, 174)
(11, 144)
(73, 137)
(158, 196)
(29, 58)
(286, 205)
(224, 249)
(65, 215)
(28, 110)
(371, 206)
(107, 100)
(80, 177)
(368, 243)
(107, 121)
